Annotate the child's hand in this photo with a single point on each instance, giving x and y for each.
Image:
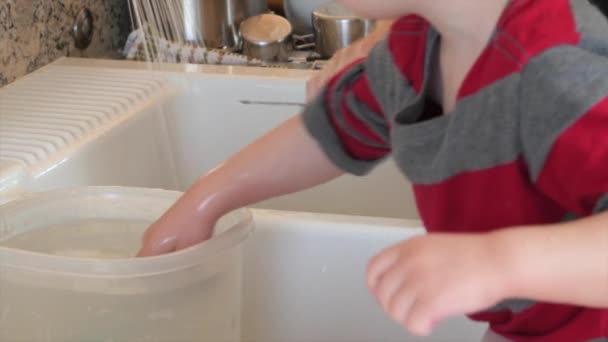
(426, 279)
(188, 222)
(164, 237)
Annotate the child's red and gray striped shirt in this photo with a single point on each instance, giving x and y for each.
(527, 142)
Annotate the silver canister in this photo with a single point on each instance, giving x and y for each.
(336, 27)
(267, 37)
(216, 22)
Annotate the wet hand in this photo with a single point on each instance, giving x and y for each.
(177, 229)
(422, 281)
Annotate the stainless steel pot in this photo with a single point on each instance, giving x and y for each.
(216, 22)
(267, 37)
(336, 27)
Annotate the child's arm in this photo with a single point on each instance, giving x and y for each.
(422, 281)
(564, 263)
(342, 129)
(285, 160)
(564, 135)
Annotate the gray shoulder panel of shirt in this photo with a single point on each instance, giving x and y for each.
(558, 87)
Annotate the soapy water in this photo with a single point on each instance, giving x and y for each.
(91, 239)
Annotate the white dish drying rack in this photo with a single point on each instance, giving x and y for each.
(148, 47)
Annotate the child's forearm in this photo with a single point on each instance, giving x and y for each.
(563, 263)
(284, 161)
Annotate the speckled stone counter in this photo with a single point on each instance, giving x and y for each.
(34, 33)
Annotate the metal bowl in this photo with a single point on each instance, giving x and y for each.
(267, 37)
(218, 20)
(336, 27)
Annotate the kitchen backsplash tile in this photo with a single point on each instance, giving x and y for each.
(34, 33)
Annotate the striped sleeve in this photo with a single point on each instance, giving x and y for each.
(564, 127)
(348, 122)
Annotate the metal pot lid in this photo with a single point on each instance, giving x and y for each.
(266, 28)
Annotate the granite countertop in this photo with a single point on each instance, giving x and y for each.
(34, 33)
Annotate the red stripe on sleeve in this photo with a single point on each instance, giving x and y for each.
(356, 149)
(355, 124)
(363, 92)
(360, 89)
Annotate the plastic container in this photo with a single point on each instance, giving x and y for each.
(67, 272)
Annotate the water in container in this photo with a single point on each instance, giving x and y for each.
(68, 272)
